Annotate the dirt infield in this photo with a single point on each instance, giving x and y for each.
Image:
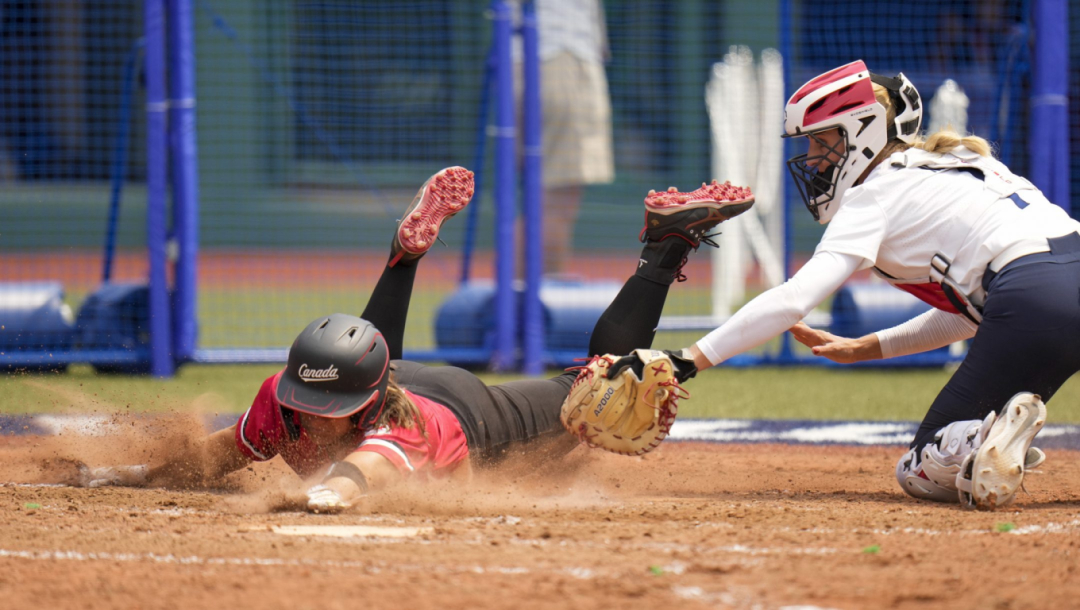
(690, 526)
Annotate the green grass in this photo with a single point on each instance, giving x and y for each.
(765, 393)
(271, 317)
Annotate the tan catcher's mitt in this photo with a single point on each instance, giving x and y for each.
(628, 414)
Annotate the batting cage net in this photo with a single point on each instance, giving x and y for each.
(317, 122)
(72, 150)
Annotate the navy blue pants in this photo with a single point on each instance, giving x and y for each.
(1029, 339)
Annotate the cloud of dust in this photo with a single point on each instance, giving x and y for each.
(95, 438)
(527, 481)
(555, 476)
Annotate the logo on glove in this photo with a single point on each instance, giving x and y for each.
(603, 402)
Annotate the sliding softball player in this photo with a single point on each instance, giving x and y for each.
(348, 413)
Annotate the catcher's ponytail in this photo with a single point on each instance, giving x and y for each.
(947, 140)
(941, 142)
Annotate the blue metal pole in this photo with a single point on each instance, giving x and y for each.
(185, 174)
(478, 169)
(157, 159)
(1048, 143)
(1014, 63)
(786, 56)
(120, 152)
(505, 191)
(532, 200)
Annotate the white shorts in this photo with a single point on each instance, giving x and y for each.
(576, 122)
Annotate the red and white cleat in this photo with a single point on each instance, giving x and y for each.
(443, 195)
(691, 216)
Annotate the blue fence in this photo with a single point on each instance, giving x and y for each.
(317, 121)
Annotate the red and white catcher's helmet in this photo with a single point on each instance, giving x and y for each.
(843, 99)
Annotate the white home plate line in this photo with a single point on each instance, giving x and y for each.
(349, 531)
(193, 560)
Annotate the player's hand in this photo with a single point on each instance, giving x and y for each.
(837, 349)
(683, 364)
(322, 499)
(113, 476)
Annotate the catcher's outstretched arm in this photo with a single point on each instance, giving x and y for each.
(836, 348)
(924, 332)
(778, 309)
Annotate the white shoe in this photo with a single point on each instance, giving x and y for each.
(990, 477)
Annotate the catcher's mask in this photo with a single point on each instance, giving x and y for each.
(843, 99)
(339, 366)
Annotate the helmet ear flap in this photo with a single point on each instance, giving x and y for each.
(909, 120)
(907, 106)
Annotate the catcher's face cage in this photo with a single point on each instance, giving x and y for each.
(816, 176)
(843, 98)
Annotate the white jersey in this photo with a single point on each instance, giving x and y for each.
(971, 210)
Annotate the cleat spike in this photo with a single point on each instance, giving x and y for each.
(442, 196)
(691, 215)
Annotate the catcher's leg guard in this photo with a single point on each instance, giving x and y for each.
(990, 477)
(690, 216)
(443, 195)
(932, 476)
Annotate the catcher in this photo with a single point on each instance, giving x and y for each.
(351, 416)
(941, 218)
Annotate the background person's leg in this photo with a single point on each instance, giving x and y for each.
(561, 206)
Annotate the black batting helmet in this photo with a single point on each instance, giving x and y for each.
(338, 366)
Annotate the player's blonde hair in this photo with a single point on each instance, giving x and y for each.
(946, 140)
(400, 410)
(940, 142)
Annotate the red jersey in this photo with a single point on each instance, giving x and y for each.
(266, 430)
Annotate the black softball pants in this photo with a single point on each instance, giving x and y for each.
(499, 418)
